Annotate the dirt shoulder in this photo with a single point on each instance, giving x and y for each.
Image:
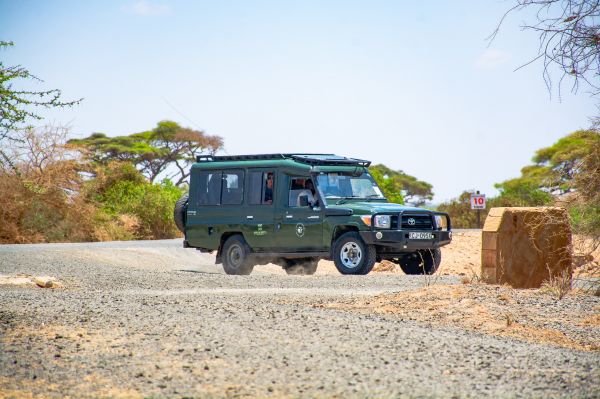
(527, 315)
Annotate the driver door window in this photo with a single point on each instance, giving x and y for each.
(301, 187)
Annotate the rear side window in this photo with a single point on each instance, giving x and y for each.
(221, 187)
(209, 188)
(261, 188)
(232, 190)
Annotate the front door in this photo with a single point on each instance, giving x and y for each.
(300, 227)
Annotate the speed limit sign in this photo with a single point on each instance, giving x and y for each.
(477, 201)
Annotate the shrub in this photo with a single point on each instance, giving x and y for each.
(121, 192)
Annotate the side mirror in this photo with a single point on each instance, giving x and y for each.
(303, 200)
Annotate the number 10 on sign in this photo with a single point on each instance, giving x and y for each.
(478, 201)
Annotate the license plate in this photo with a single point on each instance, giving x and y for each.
(420, 236)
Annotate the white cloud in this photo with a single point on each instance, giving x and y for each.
(146, 7)
(491, 58)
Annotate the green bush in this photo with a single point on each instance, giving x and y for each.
(130, 206)
(151, 204)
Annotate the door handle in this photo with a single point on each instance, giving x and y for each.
(249, 217)
(289, 216)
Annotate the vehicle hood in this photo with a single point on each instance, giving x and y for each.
(371, 207)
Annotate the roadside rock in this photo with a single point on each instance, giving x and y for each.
(28, 280)
(45, 281)
(526, 246)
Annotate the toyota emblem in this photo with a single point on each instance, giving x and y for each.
(411, 221)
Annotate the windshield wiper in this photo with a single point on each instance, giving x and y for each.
(373, 196)
(345, 199)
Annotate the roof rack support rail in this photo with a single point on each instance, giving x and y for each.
(310, 159)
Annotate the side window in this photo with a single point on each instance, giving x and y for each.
(261, 186)
(301, 186)
(209, 188)
(232, 190)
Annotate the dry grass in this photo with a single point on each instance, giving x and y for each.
(558, 286)
(493, 310)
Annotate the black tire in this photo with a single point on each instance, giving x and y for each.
(423, 261)
(352, 256)
(179, 214)
(301, 267)
(235, 256)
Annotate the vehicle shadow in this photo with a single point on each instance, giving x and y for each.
(196, 271)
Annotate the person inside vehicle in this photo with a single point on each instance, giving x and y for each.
(309, 192)
(269, 189)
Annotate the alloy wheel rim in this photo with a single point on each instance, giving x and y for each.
(235, 256)
(351, 255)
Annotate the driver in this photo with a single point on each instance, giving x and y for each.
(308, 191)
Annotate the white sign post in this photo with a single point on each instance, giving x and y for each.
(478, 203)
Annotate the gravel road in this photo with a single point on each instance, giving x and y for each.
(151, 319)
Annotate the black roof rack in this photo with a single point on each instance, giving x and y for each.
(311, 159)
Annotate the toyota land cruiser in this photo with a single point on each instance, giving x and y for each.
(295, 209)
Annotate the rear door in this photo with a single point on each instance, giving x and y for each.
(258, 214)
(214, 207)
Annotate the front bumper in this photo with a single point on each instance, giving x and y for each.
(398, 239)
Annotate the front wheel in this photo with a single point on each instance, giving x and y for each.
(235, 256)
(423, 261)
(352, 256)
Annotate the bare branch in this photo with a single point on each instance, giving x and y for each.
(569, 39)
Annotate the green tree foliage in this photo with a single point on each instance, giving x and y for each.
(556, 166)
(119, 189)
(153, 151)
(522, 191)
(553, 171)
(585, 209)
(569, 167)
(399, 187)
(17, 106)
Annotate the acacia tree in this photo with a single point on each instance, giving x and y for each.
(152, 151)
(400, 187)
(569, 39)
(554, 170)
(17, 107)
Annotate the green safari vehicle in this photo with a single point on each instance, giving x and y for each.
(295, 209)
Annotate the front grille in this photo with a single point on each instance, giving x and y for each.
(421, 222)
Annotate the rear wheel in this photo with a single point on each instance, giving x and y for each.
(352, 256)
(423, 261)
(235, 256)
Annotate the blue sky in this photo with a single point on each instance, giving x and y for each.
(413, 85)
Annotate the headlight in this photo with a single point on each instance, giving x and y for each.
(383, 221)
(438, 222)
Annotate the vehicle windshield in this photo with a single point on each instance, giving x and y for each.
(336, 185)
